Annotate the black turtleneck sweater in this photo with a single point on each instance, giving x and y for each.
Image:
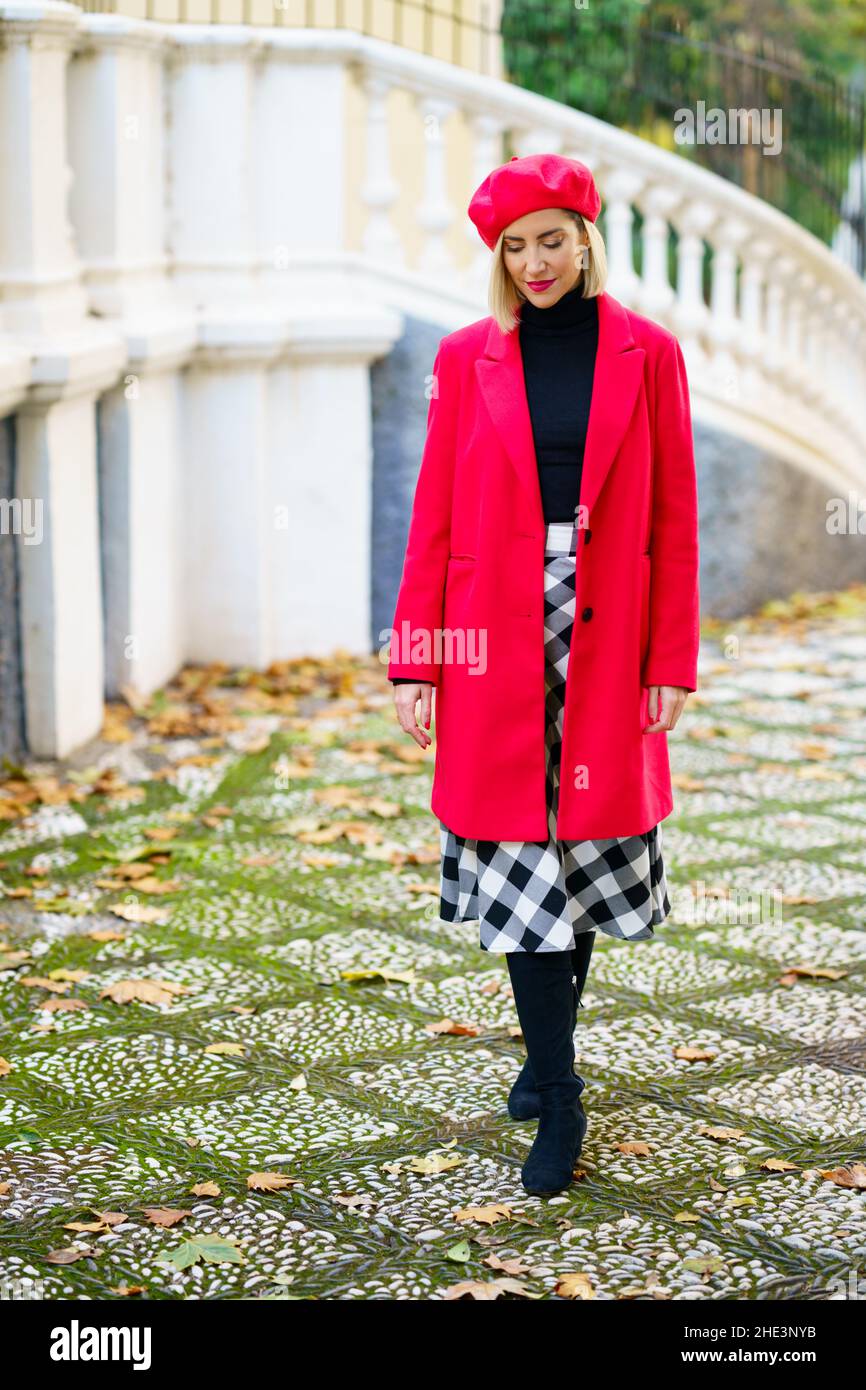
(558, 347)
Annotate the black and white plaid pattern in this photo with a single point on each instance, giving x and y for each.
(536, 896)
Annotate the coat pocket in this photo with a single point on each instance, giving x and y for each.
(459, 585)
(645, 576)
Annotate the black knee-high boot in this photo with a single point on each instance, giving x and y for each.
(544, 998)
(523, 1097)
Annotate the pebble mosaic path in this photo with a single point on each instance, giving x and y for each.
(305, 1098)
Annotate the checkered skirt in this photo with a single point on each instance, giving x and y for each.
(532, 896)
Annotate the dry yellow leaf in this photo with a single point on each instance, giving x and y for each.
(854, 1175)
(577, 1285)
(269, 1182)
(485, 1291)
(460, 1030)
(143, 991)
(139, 912)
(487, 1215)
(165, 1216)
(42, 982)
(694, 1054)
(154, 886)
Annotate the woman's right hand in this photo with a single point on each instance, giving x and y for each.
(406, 698)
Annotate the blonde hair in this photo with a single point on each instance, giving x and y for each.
(502, 293)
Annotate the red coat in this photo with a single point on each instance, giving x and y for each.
(469, 614)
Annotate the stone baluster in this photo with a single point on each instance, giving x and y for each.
(756, 254)
(435, 213)
(692, 220)
(775, 336)
(725, 329)
(379, 189)
(487, 134)
(799, 292)
(726, 237)
(656, 291)
(621, 188)
(536, 140)
(816, 346)
(847, 366)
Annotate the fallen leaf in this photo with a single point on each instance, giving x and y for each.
(269, 1182)
(143, 991)
(138, 912)
(720, 1132)
(512, 1266)
(165, 1216)
(487, 1216)
(70, 1255)
(42, 982)
(853, 1176)
(577, 1285)
(212, 1249)
(448, 1025)
(434, 1162)
(484, 1292)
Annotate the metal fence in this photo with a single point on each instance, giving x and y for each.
(639, 77)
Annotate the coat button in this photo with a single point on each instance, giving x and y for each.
(586, 614)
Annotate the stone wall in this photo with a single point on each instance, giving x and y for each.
(399, 407)
(11, 696)
(764, 529)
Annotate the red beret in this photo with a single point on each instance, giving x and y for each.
(527, 184)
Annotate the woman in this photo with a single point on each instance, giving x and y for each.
(561, 419)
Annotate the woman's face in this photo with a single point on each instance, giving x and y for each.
(542, 253)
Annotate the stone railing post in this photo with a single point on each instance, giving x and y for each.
(379, 189)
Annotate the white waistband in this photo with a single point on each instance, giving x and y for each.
(559, 535)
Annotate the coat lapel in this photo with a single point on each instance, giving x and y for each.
(617, 378)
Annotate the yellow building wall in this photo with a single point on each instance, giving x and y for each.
(464, 32)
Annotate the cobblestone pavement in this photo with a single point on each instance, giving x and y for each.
(283, 1110)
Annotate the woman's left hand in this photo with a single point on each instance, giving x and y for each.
(666, 704)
